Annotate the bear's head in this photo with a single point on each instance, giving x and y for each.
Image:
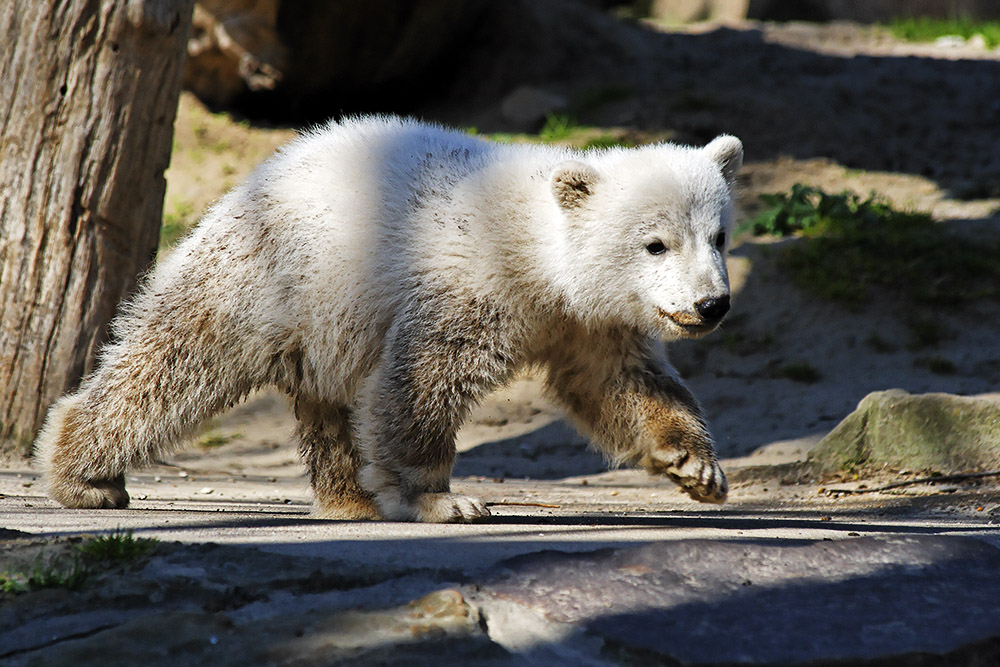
(646, 233)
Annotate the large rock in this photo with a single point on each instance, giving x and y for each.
(900, 601)
(892, 428)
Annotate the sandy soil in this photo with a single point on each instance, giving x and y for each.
(518, 433)
(838, 107)
(753, 409)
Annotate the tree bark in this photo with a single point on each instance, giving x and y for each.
(88, 96)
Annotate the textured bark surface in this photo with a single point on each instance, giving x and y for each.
(88, 94)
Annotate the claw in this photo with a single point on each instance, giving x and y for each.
(449, 508)
(702, 479)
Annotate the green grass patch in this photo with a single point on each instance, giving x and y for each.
(176, 222)
(604, 141)
(117, 546)
(927, 29)
(557, 127)
(854, 246)
(564, 130)
(69, 573)
(63, 564)
(213, 440)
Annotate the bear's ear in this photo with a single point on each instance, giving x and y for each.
(572, 182)
(727, 152)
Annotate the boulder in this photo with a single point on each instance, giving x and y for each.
(688, 11)
(893, 428)
(909, 600)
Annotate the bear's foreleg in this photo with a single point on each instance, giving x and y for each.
(622, 394)
(439, 358)
(326, 446)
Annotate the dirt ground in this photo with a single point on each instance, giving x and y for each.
(754, 411)
(734, 372)
(857, 110)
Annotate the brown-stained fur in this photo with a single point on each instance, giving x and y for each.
(386, 298)
(447, 353)
(573, 184)
(686, 319)
(619, 393)
(327, 447)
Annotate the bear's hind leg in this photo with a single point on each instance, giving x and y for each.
(61, 448)
(326, 446)
(151, 389)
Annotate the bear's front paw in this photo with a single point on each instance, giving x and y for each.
(449, 508)
(706, 485)
(700, 478)
(78, 493)
(398, 504)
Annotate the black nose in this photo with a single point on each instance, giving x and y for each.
(713, 309)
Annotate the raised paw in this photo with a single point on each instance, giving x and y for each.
(704, 482)
(78, 493)
(700, 478)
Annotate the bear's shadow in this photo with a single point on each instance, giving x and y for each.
(554, 451)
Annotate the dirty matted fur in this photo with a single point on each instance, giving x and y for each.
(387, 274)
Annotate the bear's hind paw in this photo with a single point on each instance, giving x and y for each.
(90, 494)
(347, 509)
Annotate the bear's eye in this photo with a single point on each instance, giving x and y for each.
(656, 248)
(720, 240)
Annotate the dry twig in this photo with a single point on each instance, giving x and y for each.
(920, 480)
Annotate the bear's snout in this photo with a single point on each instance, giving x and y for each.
(713, 309)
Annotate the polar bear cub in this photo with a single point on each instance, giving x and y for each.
(387, 274)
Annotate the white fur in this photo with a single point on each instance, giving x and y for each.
(344, 204)
(309, 273)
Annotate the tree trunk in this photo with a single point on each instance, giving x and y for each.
(88, 95)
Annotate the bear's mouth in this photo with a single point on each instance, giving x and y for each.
(690, 325)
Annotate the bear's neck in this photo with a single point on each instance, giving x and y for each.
(520, 236)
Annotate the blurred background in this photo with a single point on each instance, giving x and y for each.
(869, 246)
